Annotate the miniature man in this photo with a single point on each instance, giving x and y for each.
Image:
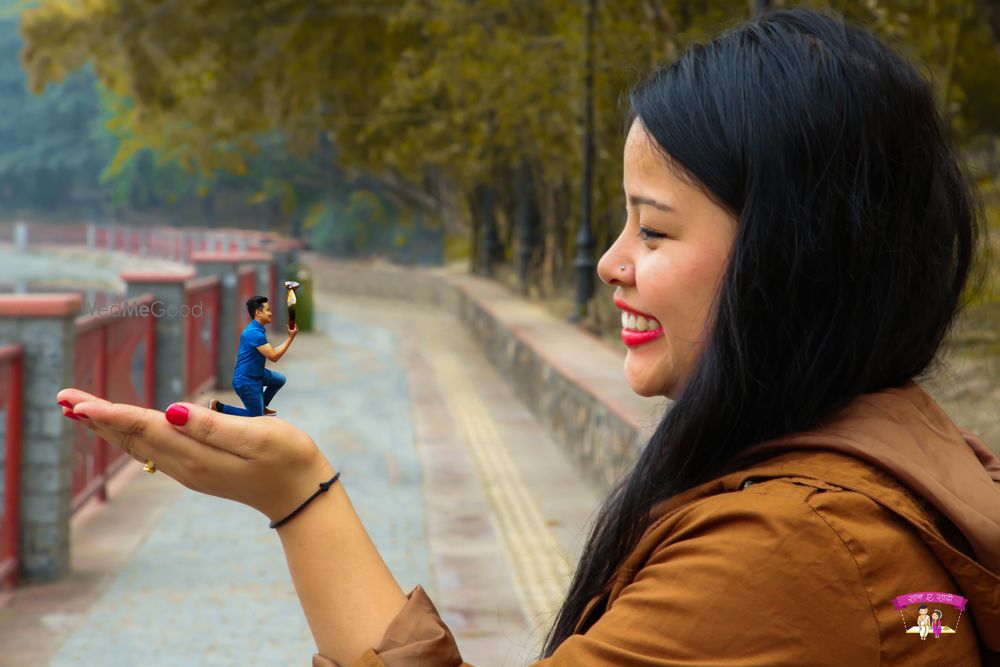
(254, 384)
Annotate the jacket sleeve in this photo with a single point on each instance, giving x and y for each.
(741, 579)
(416, 636)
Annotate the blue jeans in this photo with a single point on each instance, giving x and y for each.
(254, 396)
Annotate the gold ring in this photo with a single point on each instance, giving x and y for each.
(150, 467)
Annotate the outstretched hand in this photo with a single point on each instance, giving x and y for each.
(267, 464)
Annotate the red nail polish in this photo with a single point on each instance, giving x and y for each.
(71, 415)
(177, 415)
(66, 404)
(81, 415)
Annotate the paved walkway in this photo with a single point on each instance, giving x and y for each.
(456, 482)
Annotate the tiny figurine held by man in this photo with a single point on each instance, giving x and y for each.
(254, 384)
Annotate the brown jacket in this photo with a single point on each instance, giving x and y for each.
(796, 560)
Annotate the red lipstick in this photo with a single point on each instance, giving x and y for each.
(631, 337)
(627, 308)
(636, 338)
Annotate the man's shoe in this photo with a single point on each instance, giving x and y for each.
(268, 412)
(214, 404)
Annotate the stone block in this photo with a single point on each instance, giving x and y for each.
(35, 452)
(42, 509)
(46, 479)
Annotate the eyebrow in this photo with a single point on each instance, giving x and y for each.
(639, 201)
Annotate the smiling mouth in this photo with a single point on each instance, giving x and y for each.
(639, 330)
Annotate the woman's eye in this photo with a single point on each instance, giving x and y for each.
(647, 234)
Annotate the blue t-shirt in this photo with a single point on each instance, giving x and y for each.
(249, 362)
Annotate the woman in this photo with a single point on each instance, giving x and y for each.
(797, 239)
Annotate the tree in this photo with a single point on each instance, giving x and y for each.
(54, 148)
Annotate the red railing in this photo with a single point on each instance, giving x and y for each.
(11, 387)
(246, 286)
(201, 337)
(100, 237)
(54, 234)
(138, 238)
(115, 358)
(166, 242)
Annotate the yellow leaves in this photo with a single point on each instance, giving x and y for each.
(257, 198)
(314, 215)
(235, 163)
(127, 149)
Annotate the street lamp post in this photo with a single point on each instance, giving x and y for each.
(583, 263)
(490, 240)
(527, 224)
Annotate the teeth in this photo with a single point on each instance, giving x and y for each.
(638, 322)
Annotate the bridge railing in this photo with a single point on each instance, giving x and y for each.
(11, 378)
(114, 359)
(202, 333)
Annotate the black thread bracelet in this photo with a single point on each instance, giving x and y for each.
(323, 488)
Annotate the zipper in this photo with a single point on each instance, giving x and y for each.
(594, 610)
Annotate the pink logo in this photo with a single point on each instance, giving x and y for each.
(929, 618)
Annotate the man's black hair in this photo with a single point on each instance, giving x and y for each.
(254, 304)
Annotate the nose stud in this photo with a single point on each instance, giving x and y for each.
(621, 267)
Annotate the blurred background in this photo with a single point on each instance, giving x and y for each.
(487, 132)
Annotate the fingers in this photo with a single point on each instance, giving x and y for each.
(83, 405)
(239, 436)
(252, 439)
(72, 396)
(146, 434)
(139, 431)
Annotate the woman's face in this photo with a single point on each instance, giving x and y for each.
(674, 250)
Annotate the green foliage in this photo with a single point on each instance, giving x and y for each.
(352, 223)
(53, 146)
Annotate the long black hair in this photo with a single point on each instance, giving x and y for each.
(856, 232)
